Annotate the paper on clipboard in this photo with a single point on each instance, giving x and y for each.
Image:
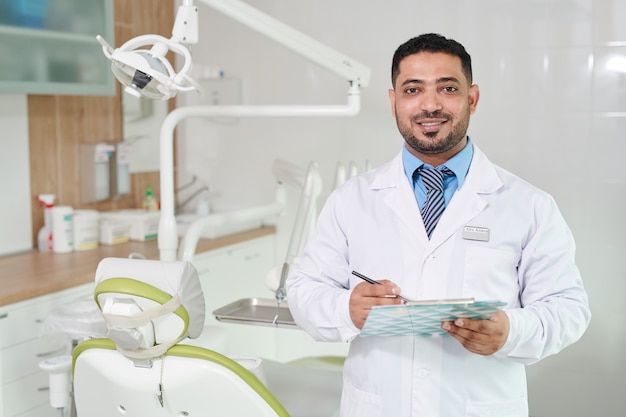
(424, 318)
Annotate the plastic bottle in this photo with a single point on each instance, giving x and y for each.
(63, 229)
(45, 237)
(150, 203)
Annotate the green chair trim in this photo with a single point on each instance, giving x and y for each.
(196, 352)
(130, 286)
(99, 343)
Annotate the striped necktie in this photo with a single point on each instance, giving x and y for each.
(434, 206)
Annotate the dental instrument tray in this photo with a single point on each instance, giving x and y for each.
(256, 311)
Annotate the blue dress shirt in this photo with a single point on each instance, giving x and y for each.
(459, 164)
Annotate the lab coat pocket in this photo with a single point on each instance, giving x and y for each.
(358, 403)
(491, 274)
(512, 408)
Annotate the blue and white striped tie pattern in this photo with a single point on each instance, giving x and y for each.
(434, 206)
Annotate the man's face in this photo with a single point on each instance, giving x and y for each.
(432, 102)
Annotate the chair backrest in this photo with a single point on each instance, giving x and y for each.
(141, 371)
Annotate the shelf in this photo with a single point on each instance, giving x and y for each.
(50, 35)
(63, 56)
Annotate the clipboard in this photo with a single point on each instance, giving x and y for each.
(424, 318)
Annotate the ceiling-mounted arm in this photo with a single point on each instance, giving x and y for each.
(147, 72)
(346, 67)
(135, 69)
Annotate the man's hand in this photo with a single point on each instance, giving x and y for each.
(483, 337)
(365, 296)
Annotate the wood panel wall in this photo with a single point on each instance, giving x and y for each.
(58, 125)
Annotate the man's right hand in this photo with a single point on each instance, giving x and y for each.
(365, 296)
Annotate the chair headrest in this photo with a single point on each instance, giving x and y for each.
(149, 305)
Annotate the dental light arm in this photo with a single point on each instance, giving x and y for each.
(298, 42)
(168, 234)
(147, 72)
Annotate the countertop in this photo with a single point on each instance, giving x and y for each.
(32, 274)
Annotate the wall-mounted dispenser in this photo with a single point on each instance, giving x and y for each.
(95, 171)
(121, 170)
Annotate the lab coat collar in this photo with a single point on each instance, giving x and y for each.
(482, 174)
(390, 175)
(482, 178)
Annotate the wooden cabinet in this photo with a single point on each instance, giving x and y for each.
(23, 385)
(36, 283)
(50, 47)
(230, 268)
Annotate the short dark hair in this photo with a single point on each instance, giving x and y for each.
(431, 42)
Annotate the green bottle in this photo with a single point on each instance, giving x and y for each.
(149, 202)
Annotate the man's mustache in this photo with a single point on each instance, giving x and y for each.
(433, 115)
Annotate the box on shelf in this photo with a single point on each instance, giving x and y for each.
(112, 232)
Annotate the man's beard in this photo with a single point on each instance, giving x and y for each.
(458, 133)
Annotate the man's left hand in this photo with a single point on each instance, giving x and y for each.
(483, 337)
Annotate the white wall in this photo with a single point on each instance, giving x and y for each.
(15, 213)
(551, 110)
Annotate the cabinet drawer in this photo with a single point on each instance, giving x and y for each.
(25, 394)
(23, 359)
(235, 272)
(42, 411)
(211, 263)
(21, 322)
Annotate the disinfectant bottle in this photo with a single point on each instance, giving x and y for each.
(45, 238)
(150, 203)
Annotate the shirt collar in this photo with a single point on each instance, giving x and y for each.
(459, 163)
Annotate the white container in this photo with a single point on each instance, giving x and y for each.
(86, 229)
(112, 233)
(144, 225)
(63, 229)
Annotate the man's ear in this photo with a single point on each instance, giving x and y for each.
(392, 100)
(473, 97)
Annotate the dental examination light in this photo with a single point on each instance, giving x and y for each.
(150, 76)
(147, 72)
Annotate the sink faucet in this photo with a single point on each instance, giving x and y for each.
(192, 196)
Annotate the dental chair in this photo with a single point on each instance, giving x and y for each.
(148, 367)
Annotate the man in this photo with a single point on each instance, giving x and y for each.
(499, 238)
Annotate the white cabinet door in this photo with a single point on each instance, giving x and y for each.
(23, 359)
(238, 272)
(24, 387)
(234, 272)
(25, 394)
(41, 411)
(229, 274)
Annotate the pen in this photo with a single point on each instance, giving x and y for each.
(373, 281)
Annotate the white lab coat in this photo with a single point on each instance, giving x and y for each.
(372, 224)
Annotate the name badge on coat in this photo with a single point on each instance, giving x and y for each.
(476, 233)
